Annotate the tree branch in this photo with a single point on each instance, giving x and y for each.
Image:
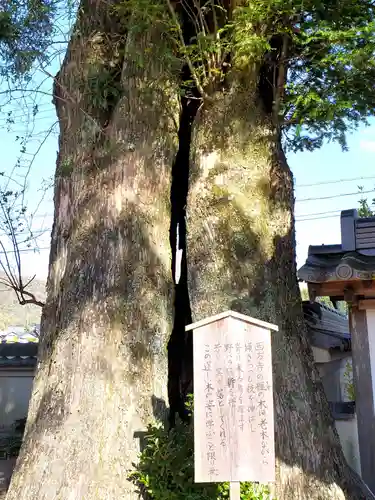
(188, 60)
(21, 293)
(281, 79)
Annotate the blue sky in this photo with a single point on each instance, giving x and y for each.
(41, 150)
(323, 166)
(318, 220)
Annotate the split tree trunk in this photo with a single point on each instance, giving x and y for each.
(241, 256)
(102, 373)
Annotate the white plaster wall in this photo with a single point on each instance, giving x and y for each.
(15, 392)
(321, 355)
(348, 433)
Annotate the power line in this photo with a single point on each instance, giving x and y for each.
(320, 213)
(29, 115)
(26, 250)
(29, 109)
(323, 183)
(318, 218)
(24, 122)
(21, 233)
(336, 196)
(40, 216)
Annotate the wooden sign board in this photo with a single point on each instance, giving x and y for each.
(233, 399)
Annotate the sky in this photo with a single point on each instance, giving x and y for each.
(36, 167)
(324, 179)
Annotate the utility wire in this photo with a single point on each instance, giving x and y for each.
(32, 116)
(336, 196)
(20, 233)
(41, 216)
(26, 250)
(318, 218)
(323, 183)
(320, 213)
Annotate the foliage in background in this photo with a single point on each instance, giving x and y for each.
(26, 28)
(365, 209)
(321, 55)
(10, 444)
(349, 382)
(320, 52)
(331, 54)
(166, 468)
(341, 305)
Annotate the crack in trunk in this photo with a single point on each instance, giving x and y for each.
(272, 76)
(180, 345)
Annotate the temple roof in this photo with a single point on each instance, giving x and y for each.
(327, 328)
(19, 346)
(352, 260)
(324, 265)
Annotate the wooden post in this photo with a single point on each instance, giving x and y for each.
(234, 491)
(362, 328)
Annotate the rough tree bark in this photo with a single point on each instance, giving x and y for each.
(102, 365)
(102, 373)
(241, 256)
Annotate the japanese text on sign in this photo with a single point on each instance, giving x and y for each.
(233, 402)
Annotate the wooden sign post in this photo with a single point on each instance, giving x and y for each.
(233, 401)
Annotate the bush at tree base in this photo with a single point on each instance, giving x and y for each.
(166, 469)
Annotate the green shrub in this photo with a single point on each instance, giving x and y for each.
(166, 469)
(349, 382)
(10, 443)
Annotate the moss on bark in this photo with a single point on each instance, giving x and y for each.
(241, 256)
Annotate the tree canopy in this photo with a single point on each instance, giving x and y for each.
(331, 68)
(26, 29)
(322, 53)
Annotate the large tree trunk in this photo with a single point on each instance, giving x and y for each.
(102, 373)
(241, 256)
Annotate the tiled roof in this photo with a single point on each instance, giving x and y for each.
(352, 260)
(329, 263)
(327, 328)
(19, 334)
(19, 346)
